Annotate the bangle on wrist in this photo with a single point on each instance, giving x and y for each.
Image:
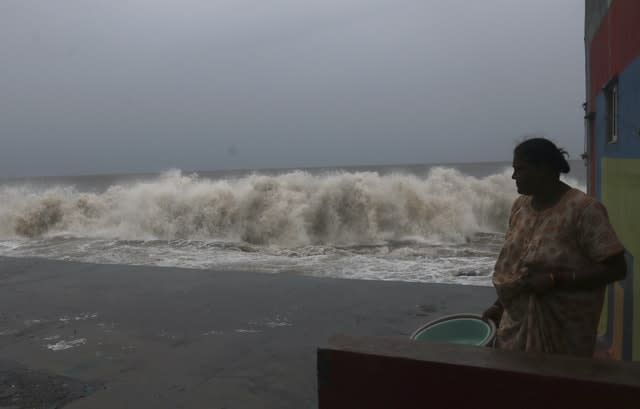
(568, 278)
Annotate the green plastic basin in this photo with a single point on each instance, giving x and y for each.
(465, 329)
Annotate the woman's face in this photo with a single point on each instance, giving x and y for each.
(529, 178)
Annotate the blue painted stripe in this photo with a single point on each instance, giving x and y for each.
(628, 145)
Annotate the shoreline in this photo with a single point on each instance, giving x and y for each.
(171, 337)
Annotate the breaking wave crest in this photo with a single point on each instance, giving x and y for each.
(290, 210)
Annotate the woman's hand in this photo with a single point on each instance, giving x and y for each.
(539, 278)
(493, 313)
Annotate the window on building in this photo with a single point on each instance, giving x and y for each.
(611, 114)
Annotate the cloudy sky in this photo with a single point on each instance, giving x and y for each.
(94, 86)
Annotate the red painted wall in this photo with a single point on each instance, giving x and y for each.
(615, 44)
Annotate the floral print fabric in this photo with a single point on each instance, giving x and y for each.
(570, 236)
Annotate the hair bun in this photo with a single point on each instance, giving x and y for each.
(541, 151)
(563, 164)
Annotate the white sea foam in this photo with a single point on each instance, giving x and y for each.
(293, 209)
(62, 345)
(246, 331)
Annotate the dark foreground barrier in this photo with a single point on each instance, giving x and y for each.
(397, 373)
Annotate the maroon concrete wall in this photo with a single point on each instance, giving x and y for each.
(366, 373)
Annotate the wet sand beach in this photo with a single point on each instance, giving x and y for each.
(153, 337)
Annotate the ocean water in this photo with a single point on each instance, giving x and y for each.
(425, 223)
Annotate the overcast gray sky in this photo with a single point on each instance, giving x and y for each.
(108, 86)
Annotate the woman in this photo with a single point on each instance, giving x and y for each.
(558, 255)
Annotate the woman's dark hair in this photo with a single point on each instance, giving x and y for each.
(541, 151)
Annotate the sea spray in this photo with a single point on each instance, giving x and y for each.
(288, 210)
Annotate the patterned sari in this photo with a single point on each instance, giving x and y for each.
(571, 235)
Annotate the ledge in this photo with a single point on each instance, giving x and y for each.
(371, 372)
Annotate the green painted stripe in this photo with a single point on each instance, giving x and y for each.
(620, 194)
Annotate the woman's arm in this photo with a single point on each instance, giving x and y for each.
(543, 279)
(494, 312)
(611, 269)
